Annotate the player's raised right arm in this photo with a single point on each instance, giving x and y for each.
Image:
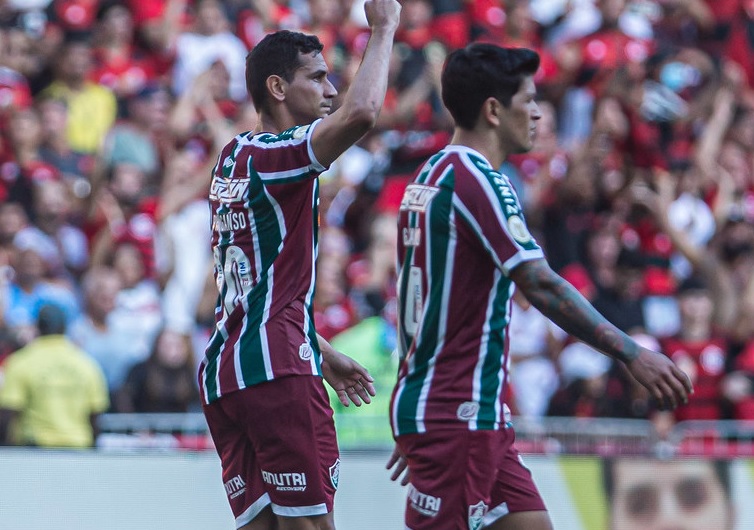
(364, 99)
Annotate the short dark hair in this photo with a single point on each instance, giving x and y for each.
(480, 71)
(276, 54)
(51, 320)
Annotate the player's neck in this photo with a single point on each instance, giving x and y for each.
(269, 124)
(486, 144)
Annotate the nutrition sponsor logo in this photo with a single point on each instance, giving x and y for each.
(423, 503)
(235, 487)
(285, 481)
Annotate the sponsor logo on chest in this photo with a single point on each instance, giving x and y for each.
(229, 190)
(417, 197)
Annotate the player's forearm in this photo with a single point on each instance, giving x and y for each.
(565, 306)
(324, 347)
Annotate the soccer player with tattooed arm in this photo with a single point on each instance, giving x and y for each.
(261, 378)
(463, 247)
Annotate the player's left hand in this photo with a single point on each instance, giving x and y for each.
(349, 379)
(667, 383)
(399, 464)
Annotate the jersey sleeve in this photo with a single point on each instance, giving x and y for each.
(287, 157)
(486, 200)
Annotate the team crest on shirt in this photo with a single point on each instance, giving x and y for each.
(476, 515)
(518, 230)
(335, 473)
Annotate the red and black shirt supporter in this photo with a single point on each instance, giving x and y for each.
(743, 363)
(138, 229)
(604, 52)
(704, 362)
(73, 15)
(126, 74)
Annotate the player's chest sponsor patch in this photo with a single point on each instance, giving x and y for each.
(228, 190)
(417, 197)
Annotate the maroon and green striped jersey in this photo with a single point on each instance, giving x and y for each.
(263, 200)
(461, 231)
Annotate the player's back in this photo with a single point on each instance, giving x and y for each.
(456, 244)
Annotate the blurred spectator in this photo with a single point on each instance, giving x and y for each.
(13, 219)
(99, 333)
(91, 107)
(74, 168)
(333, 308)
(621, 302)
(21, 164)
(202, 118)
(52, 392)
(124, 212)
(184, 223)
(584, 372)
(700, 351)
(62, 245)
(30, 289)
(141, 137)
(158, 22)
(137, 309)
(208, 41)
(119, 63)
(600, 55)
(534, 343)
(165, 381)
(373, 277)
(14, 85)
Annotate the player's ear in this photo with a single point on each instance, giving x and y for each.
(276, 87)
(492, 111)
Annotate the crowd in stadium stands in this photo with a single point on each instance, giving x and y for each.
(640, 187)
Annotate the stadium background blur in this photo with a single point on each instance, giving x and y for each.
(640, 189)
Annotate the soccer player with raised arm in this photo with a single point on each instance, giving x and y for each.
(463, 246)
(261, 378)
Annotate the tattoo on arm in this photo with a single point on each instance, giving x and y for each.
(565, 306)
